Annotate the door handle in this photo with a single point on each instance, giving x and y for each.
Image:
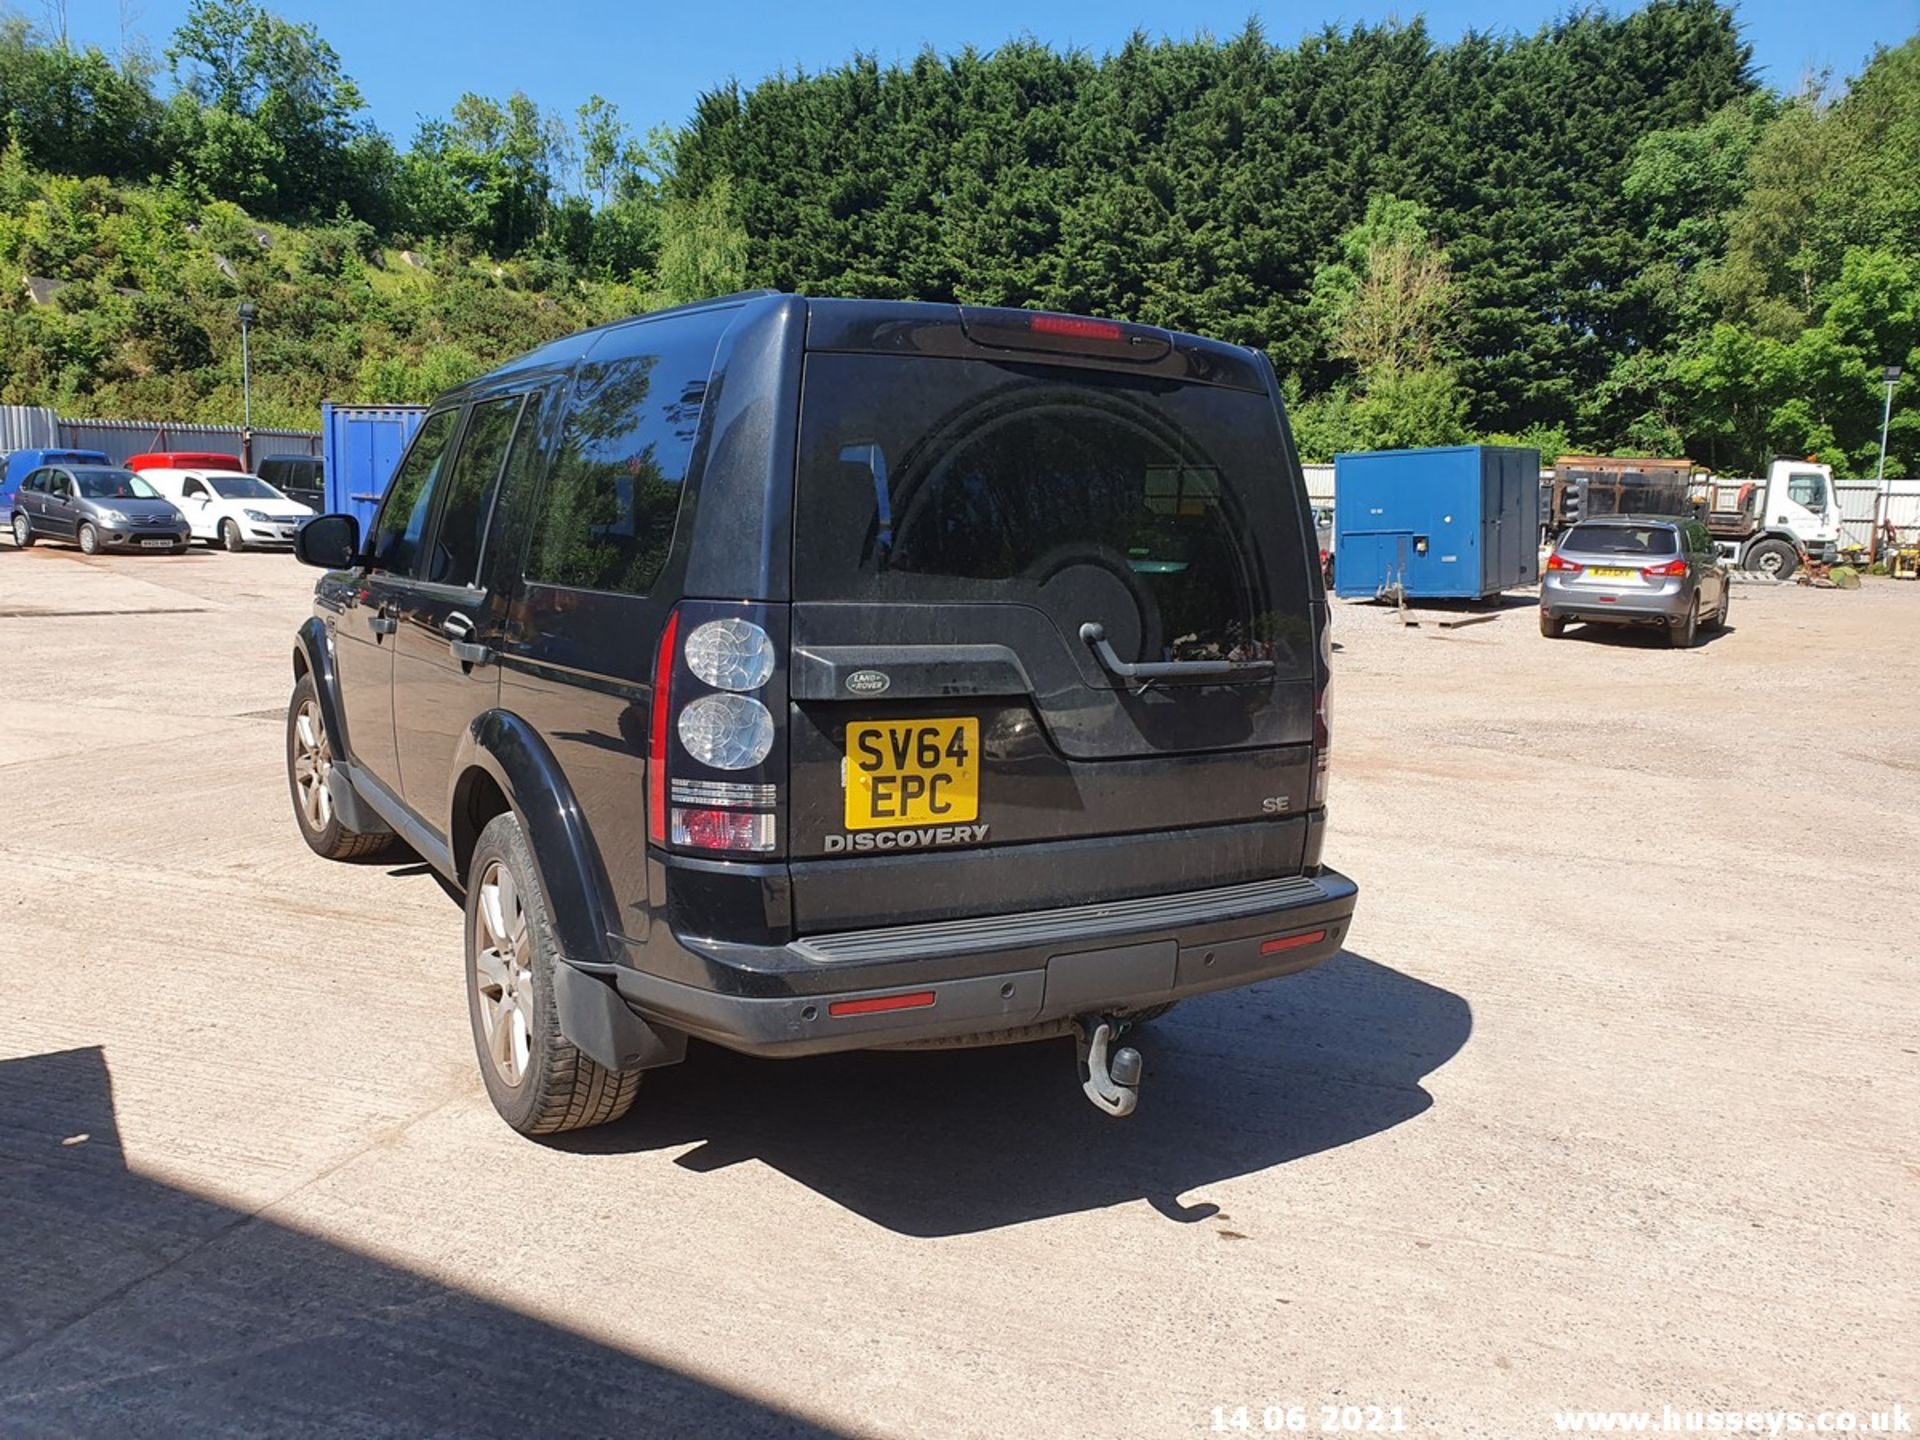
(459, 629)
(382, 624)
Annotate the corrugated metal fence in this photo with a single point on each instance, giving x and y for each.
(36, 427)
(121, 438)
(1861, 504)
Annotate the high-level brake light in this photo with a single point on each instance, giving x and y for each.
(1075, 327)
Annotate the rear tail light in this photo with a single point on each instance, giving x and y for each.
(1672, 567)
(1322, 749)
(1322, 727)
(717, 688)
(657, 748)
(727, 732)
(1557, 561)
(746, 830)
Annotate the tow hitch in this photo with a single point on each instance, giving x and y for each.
(1111, 1080)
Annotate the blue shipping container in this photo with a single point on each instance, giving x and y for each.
(362, 445)
(1456, 523)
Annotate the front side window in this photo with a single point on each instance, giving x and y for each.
(403, 514)
(1808, 488)
(613, 495)
(62, 486)
(470, 485)
(192, 488)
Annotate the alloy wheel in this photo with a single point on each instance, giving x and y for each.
(312, 763)
(503, 972)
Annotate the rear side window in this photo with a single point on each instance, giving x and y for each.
(403, 514)
(1621, 540)
(605, 521)
(1160, 510)
(455, 558)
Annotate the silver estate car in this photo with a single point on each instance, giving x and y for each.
(1635, 570)
(97, 507)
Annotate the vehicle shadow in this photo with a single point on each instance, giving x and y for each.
(930, 1143)
(134, 1307)
(1643, 637)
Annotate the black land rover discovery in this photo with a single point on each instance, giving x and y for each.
(807, 675)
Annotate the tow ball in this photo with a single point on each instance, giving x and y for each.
(1110, 1077)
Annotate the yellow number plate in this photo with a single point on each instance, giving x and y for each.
(912, 772)
(1610, 572)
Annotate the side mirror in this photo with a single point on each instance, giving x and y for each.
(331, 542)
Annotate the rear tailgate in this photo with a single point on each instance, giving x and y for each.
(960, 743)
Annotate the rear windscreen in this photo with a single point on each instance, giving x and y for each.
(1621, 540)
(1086, 494)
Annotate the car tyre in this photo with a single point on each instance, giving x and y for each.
(1773, 557)
(89, 539)
(309, 761)
(1682, 636)
(1552, 626)
(23, 535)
(1726, 600)
(230, 537)
(540, 1083)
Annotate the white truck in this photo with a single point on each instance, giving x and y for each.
(1767, 524)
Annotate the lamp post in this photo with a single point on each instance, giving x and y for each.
(1889, 377)
(247, 311)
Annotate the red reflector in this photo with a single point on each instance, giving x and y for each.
(657, 749)
(1291, 942)
(917, 1000)
(1076, 327)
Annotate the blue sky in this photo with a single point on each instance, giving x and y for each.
(415, 57)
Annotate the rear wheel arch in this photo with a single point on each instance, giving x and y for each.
(477, 799)
(515, 760)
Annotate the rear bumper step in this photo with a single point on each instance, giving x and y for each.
(997, 973)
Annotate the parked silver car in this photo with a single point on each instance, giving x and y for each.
(1635, 570)
(97, 507)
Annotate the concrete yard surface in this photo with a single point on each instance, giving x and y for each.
(1613, 1102)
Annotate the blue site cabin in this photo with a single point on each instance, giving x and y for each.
(1460, 523)
(361, 445)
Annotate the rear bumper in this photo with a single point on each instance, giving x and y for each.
(994, 974)
(1623, 607)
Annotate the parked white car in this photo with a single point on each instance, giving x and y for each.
(234, 510)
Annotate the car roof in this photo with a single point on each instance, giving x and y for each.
(1668, 521)
(860, 324)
